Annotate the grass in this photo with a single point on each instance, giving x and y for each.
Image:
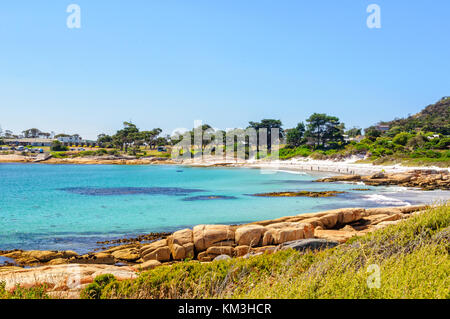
(412, 258)
(23, 293)
(421, 161)
(287, 153)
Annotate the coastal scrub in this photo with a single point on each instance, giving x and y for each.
(411, 256)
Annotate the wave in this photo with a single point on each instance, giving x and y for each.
(385, 200)
(291, 172)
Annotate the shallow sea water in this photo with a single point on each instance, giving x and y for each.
(74, 206)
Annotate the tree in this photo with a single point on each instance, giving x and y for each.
(62, 135)
(401, 138)
(353, 132)
(417, 141)
(57, 146)
(372, 132)
(31, 133)
(394, 131)
(161, 141)
(268, 124)
(324, 130)
(150, 137)
(124, 137)
(294, 136)
(103, 139)
(176, 138)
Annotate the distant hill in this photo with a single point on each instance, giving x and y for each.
(433, 118)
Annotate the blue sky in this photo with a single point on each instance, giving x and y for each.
(167, 63)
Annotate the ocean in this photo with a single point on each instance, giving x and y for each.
(59, 207)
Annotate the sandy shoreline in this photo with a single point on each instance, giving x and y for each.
(297, 164)
(309, 165)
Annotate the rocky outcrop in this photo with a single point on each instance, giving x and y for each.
(424, 179)
(249, 235)
(311, 244)
(111, 160)
(181, 244)
(208, 235)
(158, 250)
(147, 265)
(282, 232)
(205, 243)
(62, 281)
(36, 257)
(300, 194)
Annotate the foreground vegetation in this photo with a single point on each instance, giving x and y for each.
(412, 256)
(23, 293)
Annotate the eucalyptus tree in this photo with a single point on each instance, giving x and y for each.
(323, 129)
(268, 125)
(295, 136)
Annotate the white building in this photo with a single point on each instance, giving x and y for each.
(70, 139)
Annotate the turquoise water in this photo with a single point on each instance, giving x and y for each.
(74, 206)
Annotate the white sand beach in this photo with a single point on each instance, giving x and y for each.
(348, 166)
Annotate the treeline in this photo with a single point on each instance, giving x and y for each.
(131, 136)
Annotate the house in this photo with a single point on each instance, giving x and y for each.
(432, 137)
(29, 141)
(382, 127)
(70, 139)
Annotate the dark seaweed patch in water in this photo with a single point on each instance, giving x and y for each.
(208, 197)
(117, 191)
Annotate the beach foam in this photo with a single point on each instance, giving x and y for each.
(385, 200)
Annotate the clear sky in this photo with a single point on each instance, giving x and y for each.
(167, 63)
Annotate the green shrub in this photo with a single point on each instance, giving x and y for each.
(401, 138)
(362, 147)
(290, 152)
(18, 292)
(113, 152)
(57, 146)
(412, 256)
(443, 143)
(366, 141)
(101, 152)
(432, 154)
(318, 155)
(87, 153)
(104, 280)
(59, 154)
(94, 290)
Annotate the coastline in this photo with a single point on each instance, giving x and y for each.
(337, 225)
(349, 167)
(337, 169)
(202, 243)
